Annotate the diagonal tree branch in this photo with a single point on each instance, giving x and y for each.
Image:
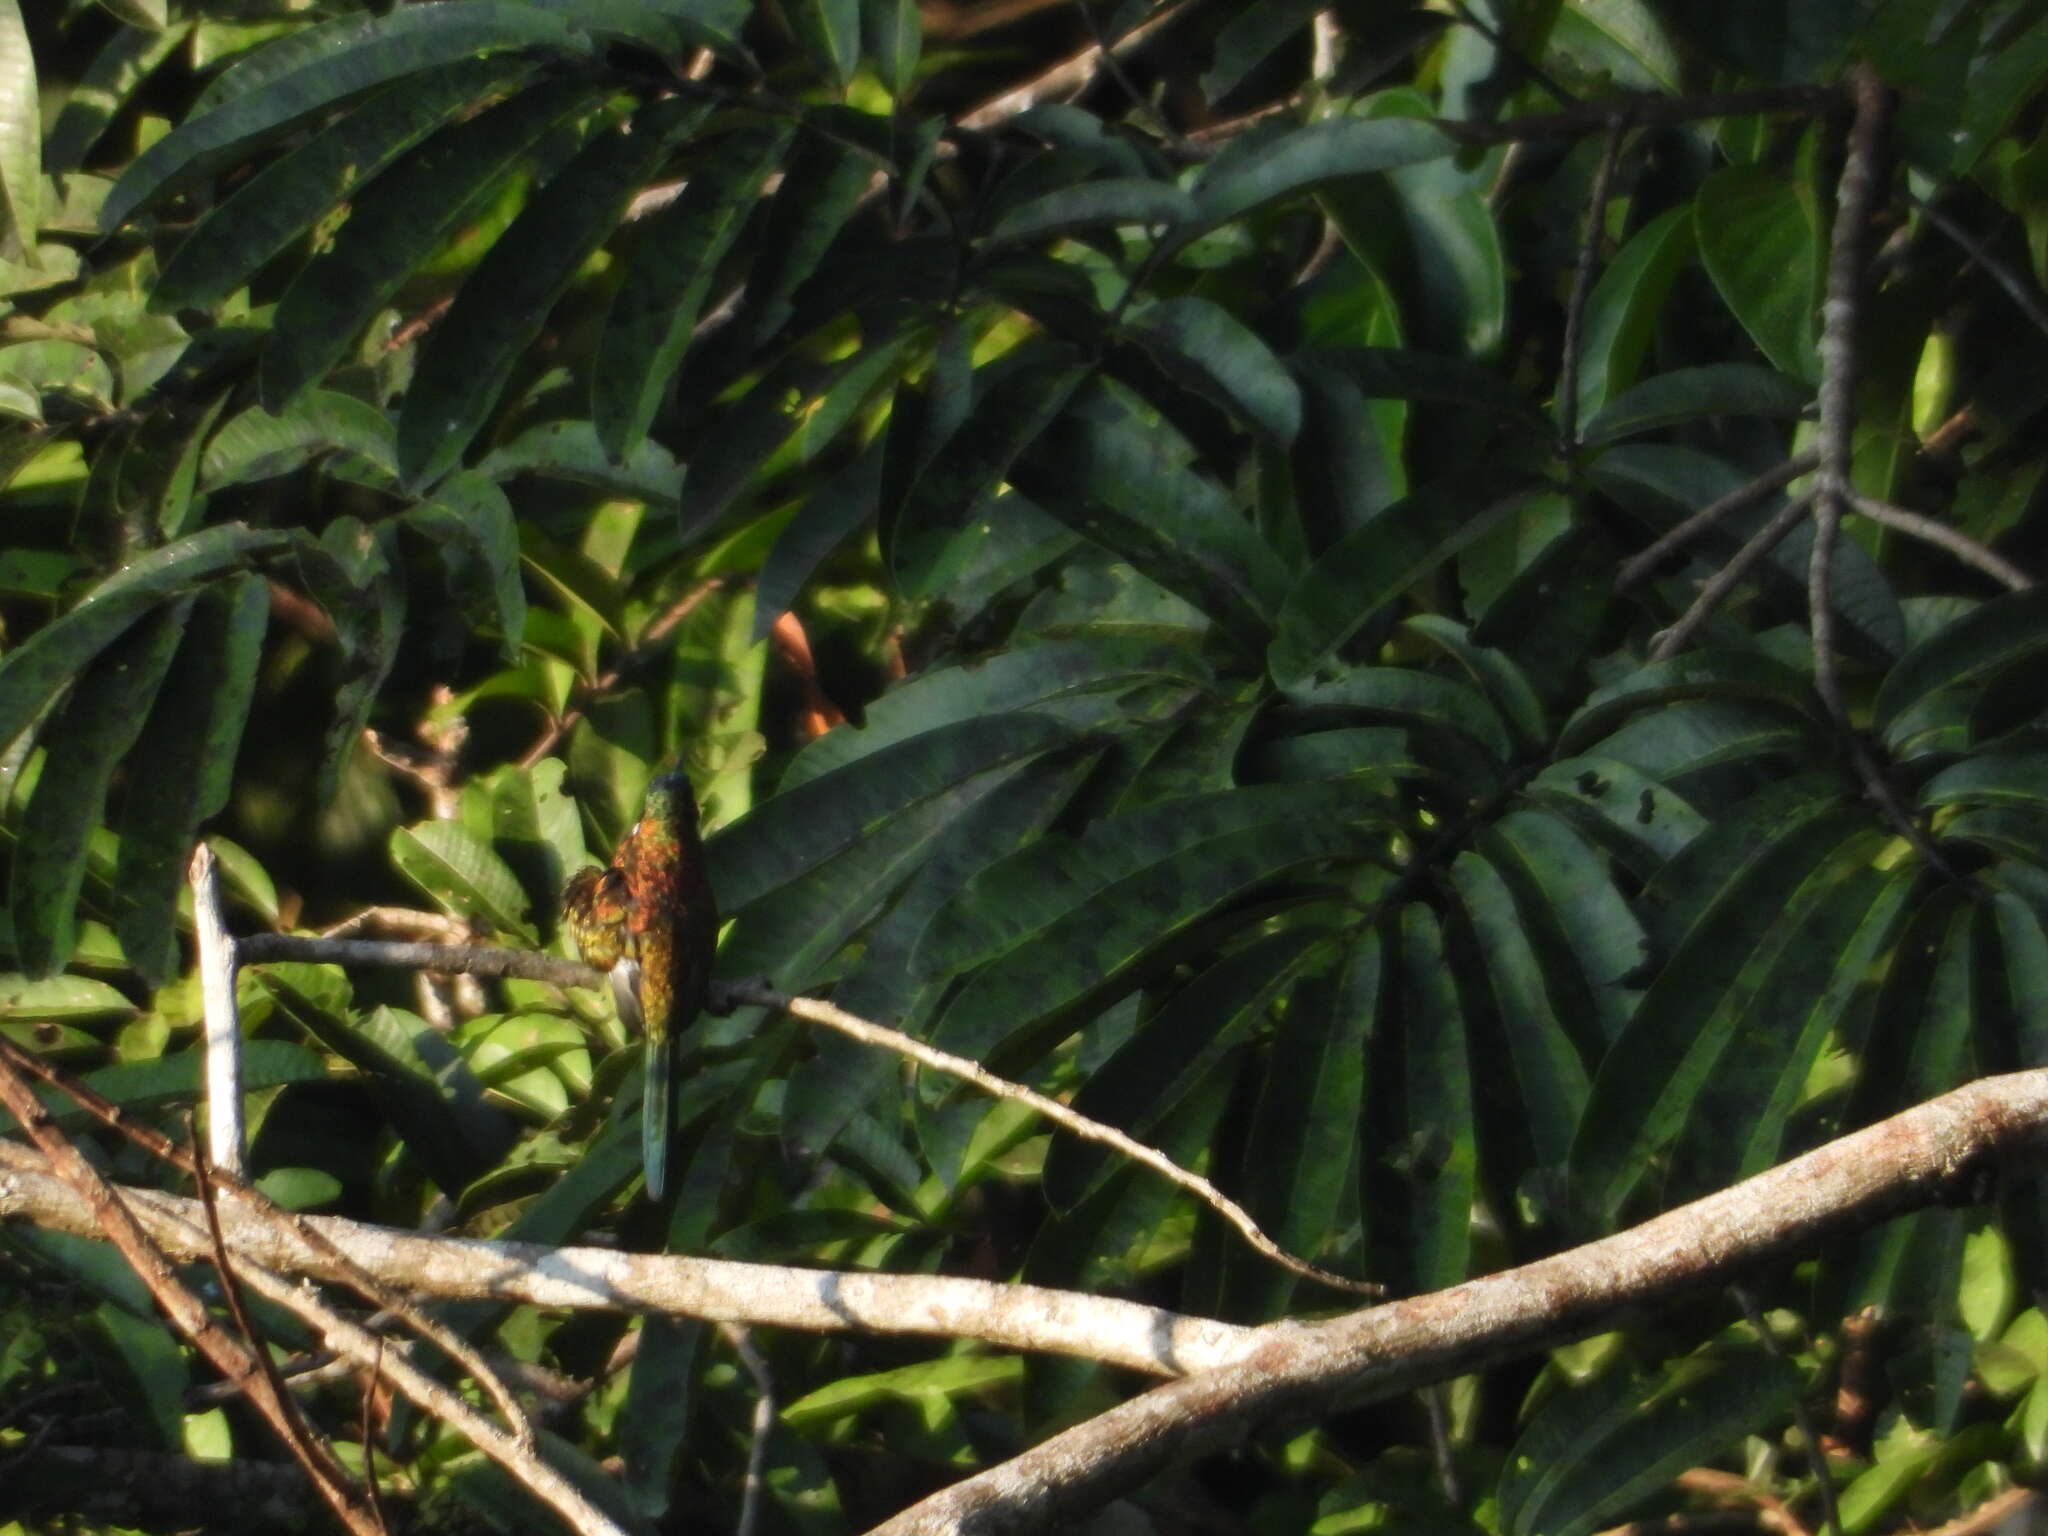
(1940, 1150)
(110, 1217)
(1141, 1338)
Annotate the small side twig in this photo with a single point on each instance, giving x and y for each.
(224, 1135)
(1716, 589)
(307, 1449)
(756, 1484)
(1070, 76)
(1638, 566)
(1930, 530)
(186, 1311)
(2016, 287)
(481, 961)
(1809, 1434)
(817, 1011)
(361, 1281)
(1582, 286)
(1513, 55)
(651, 640)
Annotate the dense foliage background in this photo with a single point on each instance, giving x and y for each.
(1207, 480)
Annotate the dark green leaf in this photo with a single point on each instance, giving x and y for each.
(1987, 639)
(1625, 310)
(189, 743)
(33, 671)
(459, 870)
(1592, 1452)
(830, 33)
(116, 72)
(801, 828)
(279, 203)
(472, 521)
(100, 722)
(1208, 347)
(395, 226)
(1648, 1083)
(466, 359)
(891, 35)
(259, 446)
(1747, 675)
(1686, 394)
(1108, 203)
(329, 63)
(656, 304)
(1550, 1077)
(1436, 704)
(1757, 238)
(1372, 567)
(1259, 167)
(1148, 1077)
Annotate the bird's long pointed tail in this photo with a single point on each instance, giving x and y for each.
(657, 1110)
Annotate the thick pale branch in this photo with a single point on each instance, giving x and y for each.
(1140, 1338)
(1941, 1150)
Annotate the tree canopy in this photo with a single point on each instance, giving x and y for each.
(1425, 608)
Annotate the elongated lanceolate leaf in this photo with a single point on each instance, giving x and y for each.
(189, 747)
(1108, 203)
(1757, 239)
(1639, 818)
(279, 203)
(1022, 895)
(1298, 1160)
(34, 670)
(790, 833)
(329, 63)
(114, 75)
(1591, 1452)
(1989, 638)
(1006, 681)
(1550, 1077)
(1152, 1073)
(470, 517)
(1260, 167)
(99, 724)
(1127, 489)
(1625, 309)
(462, 872)
(667, 277)
(1439, 705)
(1206, 346)
(466, 359)
(257, 445)
(1689, 675)
(1686, 394)
(830, 33)
(21, 139)
(397, 223)
(1648, 1082)
(1362, 573)
(822, 183)
(1090, 949)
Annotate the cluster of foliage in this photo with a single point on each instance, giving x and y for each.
(1281, 768)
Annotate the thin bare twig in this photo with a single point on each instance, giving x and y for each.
(307, 1448)
(2015, 286)
(1070, 76)
(368, 1286)
(1854, 199)
(1513, 55)
(1301, 1371)
(186, 1311)
(1638, 566)
(478, 960)
(1715, 590)
(651, 640)
(755, 1486)
(1802, 1418)
(817, 1011)
(1946, 536)
(1582, 286)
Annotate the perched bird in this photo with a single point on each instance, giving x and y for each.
(651, 920)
